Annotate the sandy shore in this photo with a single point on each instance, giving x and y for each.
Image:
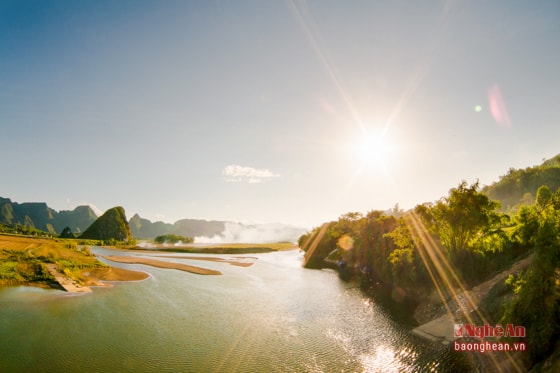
(162, 264)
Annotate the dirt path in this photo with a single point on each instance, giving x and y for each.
(440, 326)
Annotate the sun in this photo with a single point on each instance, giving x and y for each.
(373, 150)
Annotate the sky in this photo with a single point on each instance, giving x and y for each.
(271, 111)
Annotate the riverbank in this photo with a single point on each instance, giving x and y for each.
(433, 316)
(437, 323)
(463, 309)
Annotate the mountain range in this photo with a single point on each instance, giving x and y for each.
(144, 228)
(40, 216)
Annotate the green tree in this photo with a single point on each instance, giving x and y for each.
(544, 195)
(527, 225)
(402, 259)
(173, 238)
(462, 218)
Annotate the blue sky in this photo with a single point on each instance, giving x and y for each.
(271, 111)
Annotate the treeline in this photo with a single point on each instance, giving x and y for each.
(173, 239)
(455, 243)
(23, 230)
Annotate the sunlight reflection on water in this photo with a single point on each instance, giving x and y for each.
(272, 316)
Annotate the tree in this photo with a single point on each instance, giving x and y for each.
(67, 233)
(402, 261)
(463, 217)
(173, 239)
(544, 195)
(348, 224)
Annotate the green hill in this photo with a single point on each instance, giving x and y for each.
(519, 186)
(112, 225)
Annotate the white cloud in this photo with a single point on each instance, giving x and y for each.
(235, 174)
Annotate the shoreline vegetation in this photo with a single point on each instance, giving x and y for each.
(461, 260)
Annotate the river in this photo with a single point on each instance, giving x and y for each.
(273, 316)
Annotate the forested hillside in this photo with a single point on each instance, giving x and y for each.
(519, 186)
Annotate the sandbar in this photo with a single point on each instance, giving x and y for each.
(162, 264)
(232, 261)
(93, 276)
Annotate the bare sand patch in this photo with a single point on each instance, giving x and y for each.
(162, 264)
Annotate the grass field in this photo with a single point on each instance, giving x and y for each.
(23, 260)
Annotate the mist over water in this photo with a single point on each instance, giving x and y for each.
(258, 233)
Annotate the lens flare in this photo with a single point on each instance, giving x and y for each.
(345, 242)
(498, 107)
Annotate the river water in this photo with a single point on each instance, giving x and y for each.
(274, 316)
